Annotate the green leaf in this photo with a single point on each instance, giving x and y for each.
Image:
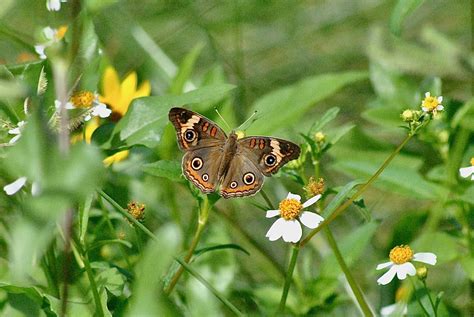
(111, 279)
(352, 246)
(148, 299)
(467, 263)
(327, 117)
(464, 117)
(146, 118)
(401, 178)
(343, 193)
(84, 209)
(167, 169)
(402, 10)
(285, 106)
(185, 70)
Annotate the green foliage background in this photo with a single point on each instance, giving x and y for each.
(346, 68)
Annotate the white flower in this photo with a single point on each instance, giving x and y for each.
(12, 188)
(54, 5)
(432, 104)
(100, 110)
(68, 106)
(52, 36)
(16, 131)
(400, 264)
(288, 226)
(468, 171)
(397, 309)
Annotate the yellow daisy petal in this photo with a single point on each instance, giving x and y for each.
(117, 157)
(110, 87)
(128, 88)
(143, 90)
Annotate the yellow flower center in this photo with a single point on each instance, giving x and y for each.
(61, 32)
(430, 103)
(401, 254)
(82, 99)
(319, 137)
(137, 210)
(314, 187)
(290, 208)
(472, 161)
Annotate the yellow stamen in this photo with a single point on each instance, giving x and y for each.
(290, 208)
(401, 254)
(61, 32)
(314, 187)
(430, 103)
(82, 99)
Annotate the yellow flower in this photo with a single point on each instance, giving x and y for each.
(117, 157)
(118, 95)
(432, 103)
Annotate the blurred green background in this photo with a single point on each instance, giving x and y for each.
(292, 61)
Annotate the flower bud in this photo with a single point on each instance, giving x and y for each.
(137, 210)
(422, 272)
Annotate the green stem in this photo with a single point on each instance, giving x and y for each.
(289, 277)
(49, 268)
(267, 200)
(342, 207)
(90, 274)
(201, 279)
(418, 299)
(429, 297)
(202, 221)
(125, 213)
(350, 279)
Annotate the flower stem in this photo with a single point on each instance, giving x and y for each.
(289, 277)
(90, 276)
(344, 206)
(365, 308)
(267, 200)
(417, 298)
(202, 221)
(429, 297)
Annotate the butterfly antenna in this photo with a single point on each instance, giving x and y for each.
(244, 125)
(228, 126)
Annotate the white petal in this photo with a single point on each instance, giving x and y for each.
(466, 171)
(440, 99)
(57, 104)
(101, 110)
(425, 257)
(388, 276)
(40, 50)
(276, 230)
(404, 269)
(292, 231)
(384, 265)
(397, 308)
(311, 201)
(311, 219)
(53, 5)
(424, 109)
(12, 188)
(14, 131)
(70, 105)
(472, 178)
(427, 94)
(87, 118)
(35, 189)
(293, 196)
(49, 33)
(272, 213)
(14, 139)
(439, 107)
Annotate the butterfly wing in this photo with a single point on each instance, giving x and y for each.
(255, 157)
(203, 141)
(194, 130)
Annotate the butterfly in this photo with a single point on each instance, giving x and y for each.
(214, 160)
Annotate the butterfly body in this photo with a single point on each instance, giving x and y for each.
(236, 167)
